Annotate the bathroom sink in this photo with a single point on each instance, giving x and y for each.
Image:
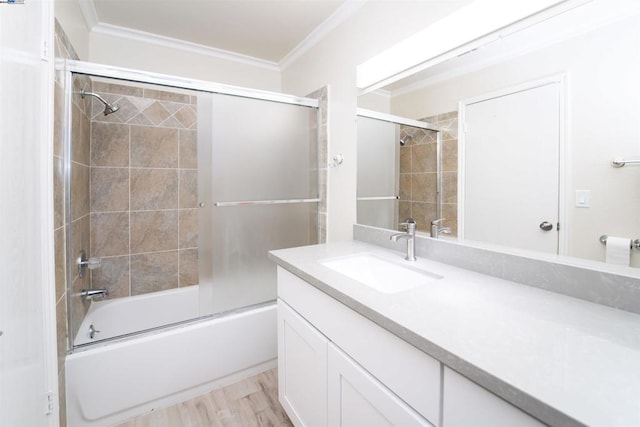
(381, 274)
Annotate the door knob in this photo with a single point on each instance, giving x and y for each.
(546, 226)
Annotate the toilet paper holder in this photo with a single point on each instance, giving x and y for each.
(634, 244)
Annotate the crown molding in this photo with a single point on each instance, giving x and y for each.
(169, 42)
(346, 10)
(341, 14)
(93, 25)
(88, 9)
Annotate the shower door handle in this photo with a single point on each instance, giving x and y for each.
(546, 226)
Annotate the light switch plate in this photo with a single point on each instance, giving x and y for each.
(583, 198)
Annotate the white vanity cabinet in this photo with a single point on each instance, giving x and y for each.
(337, 368)
(468, 404)
(302, 369)
(357, 399)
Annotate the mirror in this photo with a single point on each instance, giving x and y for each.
(573, 79)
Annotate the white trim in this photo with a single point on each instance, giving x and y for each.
(344, 12)
(182, 82)
(563, 153)
(393, 119)
(172, 43)
(88, 9)
(50, 336)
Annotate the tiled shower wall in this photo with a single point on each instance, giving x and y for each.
(143, 190)
(319, 160)
(418, 172)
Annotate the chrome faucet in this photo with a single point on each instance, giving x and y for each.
(437, 230)
(90, 293)
(410, 225)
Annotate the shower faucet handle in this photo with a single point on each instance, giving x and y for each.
(91, 263)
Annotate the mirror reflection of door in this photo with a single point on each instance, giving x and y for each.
(511, 152)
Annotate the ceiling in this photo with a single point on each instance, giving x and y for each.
(265, 30)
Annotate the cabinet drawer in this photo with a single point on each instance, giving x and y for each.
(406, 371)
(468, 404)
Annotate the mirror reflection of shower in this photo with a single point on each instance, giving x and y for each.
(108, 108)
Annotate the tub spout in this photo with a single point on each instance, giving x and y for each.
(90, 293)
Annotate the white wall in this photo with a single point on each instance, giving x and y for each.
(105, 49)
(117, 51)
(379, 101)
(68, 14)
(27, 294)
(604, 108)
(374, 28)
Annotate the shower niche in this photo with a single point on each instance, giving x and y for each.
(175, 190)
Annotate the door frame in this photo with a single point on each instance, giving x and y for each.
(563, 149)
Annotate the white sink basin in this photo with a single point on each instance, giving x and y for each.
(381, 274)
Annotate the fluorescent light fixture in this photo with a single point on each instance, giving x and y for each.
(470, 23)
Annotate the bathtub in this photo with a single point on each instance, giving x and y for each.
(118, 317)
(111, 382)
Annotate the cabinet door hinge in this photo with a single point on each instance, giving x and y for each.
(50, 403)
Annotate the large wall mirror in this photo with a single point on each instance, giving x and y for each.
(529, 125)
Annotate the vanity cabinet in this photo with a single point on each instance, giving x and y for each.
(302, 369)
(357, 399)
(468, 404)
(337, 368)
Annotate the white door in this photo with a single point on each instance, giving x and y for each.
(27, 298)
(510, 180)
(302, 369)
(356, 398)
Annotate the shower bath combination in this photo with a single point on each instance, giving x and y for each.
(181, 289)
(108, 108)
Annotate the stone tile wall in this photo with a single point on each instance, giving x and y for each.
(143, 190)
(418, 184)
(318, 163)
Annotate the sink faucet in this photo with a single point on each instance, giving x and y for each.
(437, 230)
(410, 225)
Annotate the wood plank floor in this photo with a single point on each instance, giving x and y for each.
(252, 402)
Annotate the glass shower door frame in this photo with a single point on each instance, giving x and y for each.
(69, 67)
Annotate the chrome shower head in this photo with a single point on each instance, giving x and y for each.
(108, 108)
(406, 139)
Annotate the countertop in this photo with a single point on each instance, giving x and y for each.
(564, 360)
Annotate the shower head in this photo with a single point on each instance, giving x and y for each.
(406, 139)
(108, 108)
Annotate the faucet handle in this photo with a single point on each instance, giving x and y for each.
(409, 224)
(437, 221)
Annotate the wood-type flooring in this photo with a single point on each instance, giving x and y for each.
(252, 403)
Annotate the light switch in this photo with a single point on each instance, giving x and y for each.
(583, 198)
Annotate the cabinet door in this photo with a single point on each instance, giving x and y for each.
(357, 399)
(468, 404)
(302, 369)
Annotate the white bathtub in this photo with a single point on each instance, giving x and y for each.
(117, 317)
(108, 383)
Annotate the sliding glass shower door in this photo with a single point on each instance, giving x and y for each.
(260, 194)
(173, 194)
